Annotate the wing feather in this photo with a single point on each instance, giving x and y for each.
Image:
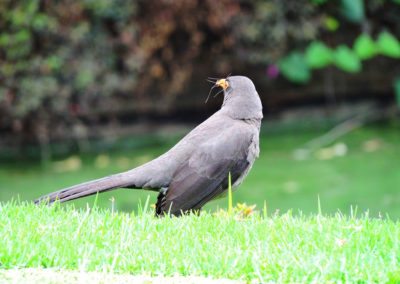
(204, 175)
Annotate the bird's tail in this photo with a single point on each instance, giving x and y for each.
(85, 189)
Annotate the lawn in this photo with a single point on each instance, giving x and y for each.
(258, 247)
(365, 175)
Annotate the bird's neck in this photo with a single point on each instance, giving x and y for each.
(237, 108)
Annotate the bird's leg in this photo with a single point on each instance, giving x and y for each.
(161, 201)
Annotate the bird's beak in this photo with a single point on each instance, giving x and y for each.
(223, 83)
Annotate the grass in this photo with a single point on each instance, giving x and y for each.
(52, 276)
(366, 177)
(279, 247)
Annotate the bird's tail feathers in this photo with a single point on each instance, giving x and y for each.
(85, 189)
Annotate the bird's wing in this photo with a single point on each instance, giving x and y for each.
(204, 175)
(152, 175)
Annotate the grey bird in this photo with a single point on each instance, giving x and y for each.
(196, 169)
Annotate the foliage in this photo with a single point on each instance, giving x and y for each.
(353, 10)
(65, 65)
(347, 60)
(364, 47)
(388, 45)
(294, 67)
(318, 55)
(56, 61)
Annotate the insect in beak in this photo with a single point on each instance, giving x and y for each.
(223, 83)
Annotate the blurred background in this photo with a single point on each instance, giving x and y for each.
(89, 88)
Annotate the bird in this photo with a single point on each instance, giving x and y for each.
(195, 170)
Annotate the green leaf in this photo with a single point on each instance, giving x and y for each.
(353, 10)
(22, 36)
(397, 90)
(364, 46)
(5, 39)
(54, 62)
(84, 78)
(388, 45)
(40, 22)
(331, 23)
(294, 67)
(318, 55)
(347, 60)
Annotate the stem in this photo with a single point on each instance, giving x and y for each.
(230, 207)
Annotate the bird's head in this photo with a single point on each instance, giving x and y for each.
(241, 100)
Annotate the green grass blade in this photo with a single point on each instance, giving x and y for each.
(265, 210)
(230, 201)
